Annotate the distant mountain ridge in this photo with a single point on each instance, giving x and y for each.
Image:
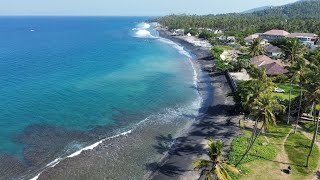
(299, 9)
(258, 9)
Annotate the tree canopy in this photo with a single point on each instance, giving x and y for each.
(302, 16)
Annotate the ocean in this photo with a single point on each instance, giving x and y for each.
(103, 96)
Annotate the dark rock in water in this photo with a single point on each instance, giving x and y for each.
(43, 142)
(10, 166)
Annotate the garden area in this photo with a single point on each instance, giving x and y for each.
(264, 160)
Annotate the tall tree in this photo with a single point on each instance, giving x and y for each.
(300, 70)
(293, 53)
(258, 99)
(313, 96)
(256, 47)
(265, 107)
(217, 166)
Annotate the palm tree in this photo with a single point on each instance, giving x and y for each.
(313, 95)
(256, 48)
(293, 51)
(314, 137)
(300, 69)
(265, 107)
(217, 166)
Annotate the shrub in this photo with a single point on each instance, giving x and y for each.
(207, 35)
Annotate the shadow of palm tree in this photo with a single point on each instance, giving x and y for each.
(163, 143)
(188, 149)
(168, 169)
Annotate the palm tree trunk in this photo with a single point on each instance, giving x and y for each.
(314, 138)
(299, 109)
(247, 151)
(254, 130)
(289, 108)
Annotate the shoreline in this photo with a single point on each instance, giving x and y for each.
(52, 168)
(206, 91)
(216, 111)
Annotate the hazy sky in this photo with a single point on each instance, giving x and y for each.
(129, 7)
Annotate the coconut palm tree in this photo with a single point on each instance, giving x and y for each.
(313, 96)
(300, 70)
(256, 48)
(217, 167)
(293, 51)
(265, 107)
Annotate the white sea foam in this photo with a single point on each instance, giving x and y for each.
(176, 46)
(90, 147)
(143, 30)
(196, 76)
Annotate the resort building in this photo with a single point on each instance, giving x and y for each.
(248, 40)
(307, 39)
(273, 51)
(274, 34)
(272, 67)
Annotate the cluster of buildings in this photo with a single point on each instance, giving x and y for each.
(308, 39)
(270, 62)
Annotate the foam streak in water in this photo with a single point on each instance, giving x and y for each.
(90, 147)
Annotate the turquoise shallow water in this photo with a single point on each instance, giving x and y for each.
(83, 75)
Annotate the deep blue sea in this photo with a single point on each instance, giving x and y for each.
(68, 82)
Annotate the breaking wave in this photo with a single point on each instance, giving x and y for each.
(144, 30)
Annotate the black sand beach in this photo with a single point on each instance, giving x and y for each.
(219, 121)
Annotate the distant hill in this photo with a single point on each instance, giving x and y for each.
(257, 9)
(299, 9)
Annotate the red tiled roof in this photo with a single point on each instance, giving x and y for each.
(303, 35)
(273, 67)
(277, 32)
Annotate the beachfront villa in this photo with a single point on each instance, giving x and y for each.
(272, 67)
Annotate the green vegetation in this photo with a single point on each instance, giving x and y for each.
(216, 167)
(303, 16)
(256, 48)
(206, 35)
(297, 148)
(193, 31)
(286, 87)
(253, 153)
(309, 127)
(261, 155)
(258, 151)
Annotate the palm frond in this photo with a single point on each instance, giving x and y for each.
(201, 164)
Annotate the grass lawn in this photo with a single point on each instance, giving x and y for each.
(309, 127)
(297, 148)
(286, 86)
(261, 156)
